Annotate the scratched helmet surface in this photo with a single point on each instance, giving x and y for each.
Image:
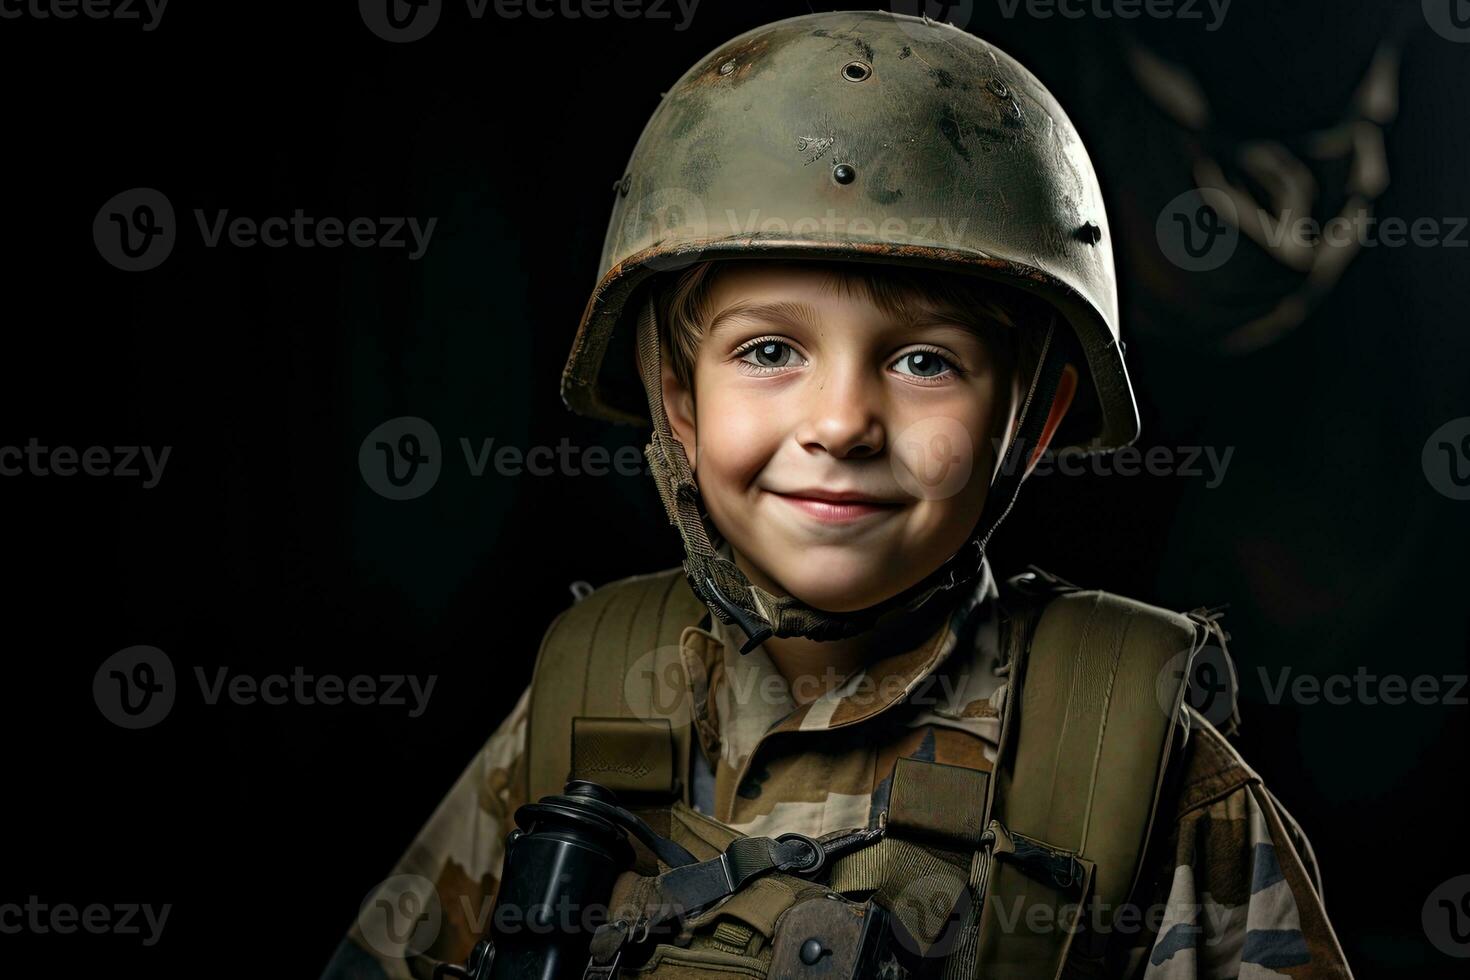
(871, 137)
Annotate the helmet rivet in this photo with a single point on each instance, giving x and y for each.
(1090, 233)
(844, 174)
(727, 67)
(857, 71)
(999, 87)
(624, 184)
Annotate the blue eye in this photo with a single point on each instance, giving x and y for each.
(924, 364)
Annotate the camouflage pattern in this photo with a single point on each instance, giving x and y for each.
(1231, 888)
(1242, 894)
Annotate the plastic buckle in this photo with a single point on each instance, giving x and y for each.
(961, 574)
(755, 632)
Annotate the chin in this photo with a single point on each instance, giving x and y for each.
(840, 593)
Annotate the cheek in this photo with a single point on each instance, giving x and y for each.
(736, 436)
(943, 455)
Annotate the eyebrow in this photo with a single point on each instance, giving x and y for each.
(783, 313)
(789, 313)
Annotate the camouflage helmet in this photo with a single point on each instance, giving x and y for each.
(860, 136)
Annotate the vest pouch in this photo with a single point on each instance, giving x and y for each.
(732, 938)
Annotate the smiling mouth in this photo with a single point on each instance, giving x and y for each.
(838, 511)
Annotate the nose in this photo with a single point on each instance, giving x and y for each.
(843, 413)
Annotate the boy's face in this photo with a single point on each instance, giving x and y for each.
(808, 390)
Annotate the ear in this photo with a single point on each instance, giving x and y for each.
(679, 407)
(1066, 390)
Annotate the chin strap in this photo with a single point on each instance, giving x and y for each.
(721, 585)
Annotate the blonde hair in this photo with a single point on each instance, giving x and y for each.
(1009, 322)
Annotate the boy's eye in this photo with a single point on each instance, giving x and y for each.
(923, 364)
(769, 354)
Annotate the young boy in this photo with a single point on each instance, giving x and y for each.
(858, 273)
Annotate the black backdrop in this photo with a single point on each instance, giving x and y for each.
(262, 549)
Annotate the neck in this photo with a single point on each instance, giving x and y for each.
(814, 667)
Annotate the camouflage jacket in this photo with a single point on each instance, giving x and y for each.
(1232, 889)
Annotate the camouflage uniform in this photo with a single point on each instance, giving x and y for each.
(1231, 889)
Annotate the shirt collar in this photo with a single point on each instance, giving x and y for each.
(741, 698)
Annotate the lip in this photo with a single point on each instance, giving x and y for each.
(837, 507)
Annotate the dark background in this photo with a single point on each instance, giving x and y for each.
(262, 548)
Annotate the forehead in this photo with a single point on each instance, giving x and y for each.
(806, 293)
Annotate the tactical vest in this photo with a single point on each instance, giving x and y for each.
(1008, 873)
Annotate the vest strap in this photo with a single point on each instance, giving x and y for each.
(1094, 705)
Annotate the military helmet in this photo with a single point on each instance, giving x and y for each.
(861, 136)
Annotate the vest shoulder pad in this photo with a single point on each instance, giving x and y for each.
(613, 654)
